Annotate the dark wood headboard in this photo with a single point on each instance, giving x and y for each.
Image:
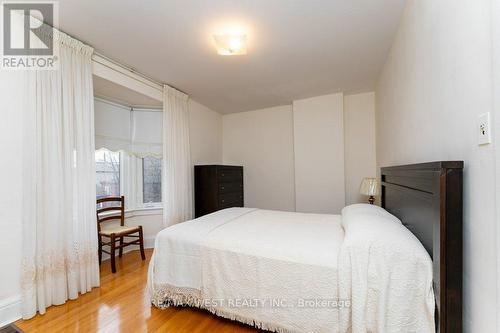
(427, 198)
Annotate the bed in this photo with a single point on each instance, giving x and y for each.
(370, 269)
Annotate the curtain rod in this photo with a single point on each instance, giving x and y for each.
(132, 70)
(126, 67)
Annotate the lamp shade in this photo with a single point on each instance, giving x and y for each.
(369, 186)
(231, 44)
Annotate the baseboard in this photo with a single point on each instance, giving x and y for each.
(10, 310)
(149, 242)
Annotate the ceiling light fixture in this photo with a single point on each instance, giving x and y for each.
(231, 44)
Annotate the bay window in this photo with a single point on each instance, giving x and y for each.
(128, 154)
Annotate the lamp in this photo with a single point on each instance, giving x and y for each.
(231, 44)
(369, 187)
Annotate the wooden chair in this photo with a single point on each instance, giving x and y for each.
(116, 234)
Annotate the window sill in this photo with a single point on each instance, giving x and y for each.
(144, 211)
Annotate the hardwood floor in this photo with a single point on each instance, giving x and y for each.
(121, 304)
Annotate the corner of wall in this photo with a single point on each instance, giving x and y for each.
(359, 142)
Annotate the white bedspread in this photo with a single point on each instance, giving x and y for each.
(176, 260)
(386, 273)
(293, 272)
(275, 262)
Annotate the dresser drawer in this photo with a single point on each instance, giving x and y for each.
(230, 187)
(231, 200)
(217, 187)
(230, 174)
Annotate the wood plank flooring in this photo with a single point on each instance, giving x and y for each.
(121, 304)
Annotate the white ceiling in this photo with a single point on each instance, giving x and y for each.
(297, 48)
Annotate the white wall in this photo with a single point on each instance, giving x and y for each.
(11, 88)
(437, 80)
(318, 127)
(205, 134)
(262, 141)
(495, 17)
(293, 155)
(359, 143)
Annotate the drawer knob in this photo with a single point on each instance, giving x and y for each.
(222, 175)
(222, 187)
(223, 200)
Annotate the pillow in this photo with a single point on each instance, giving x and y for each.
(365, 212)
(386, 273)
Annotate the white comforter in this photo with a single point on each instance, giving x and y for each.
(280, 271)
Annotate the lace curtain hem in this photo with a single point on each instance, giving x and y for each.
(54, 264)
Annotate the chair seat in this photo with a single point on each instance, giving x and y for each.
(120, 230)
(116, 233)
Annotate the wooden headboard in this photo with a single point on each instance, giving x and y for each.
(427, 198)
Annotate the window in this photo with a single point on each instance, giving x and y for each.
(122, 173)
(107, 166)
(151, 180)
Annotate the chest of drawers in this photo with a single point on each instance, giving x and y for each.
(217, 187)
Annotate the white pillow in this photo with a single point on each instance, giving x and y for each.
(365, 212)
(386, 273)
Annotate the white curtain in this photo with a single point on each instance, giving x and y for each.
(177, 185)
(59, 222)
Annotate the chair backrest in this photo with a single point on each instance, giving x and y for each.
(115, 212)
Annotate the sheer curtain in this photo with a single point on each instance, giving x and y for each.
(177, 173)
(59, 223)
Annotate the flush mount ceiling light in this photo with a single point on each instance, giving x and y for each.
(231, 44)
